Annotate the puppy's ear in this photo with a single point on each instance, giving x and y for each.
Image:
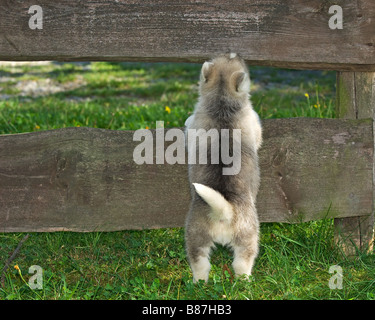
(232, 55)
(206, 71)
(240, 82)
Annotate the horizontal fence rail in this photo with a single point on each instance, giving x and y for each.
(85, 179)
(280, 33)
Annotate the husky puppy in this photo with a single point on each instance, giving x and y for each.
(223, 209)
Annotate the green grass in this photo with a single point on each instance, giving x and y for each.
(294, 260)
(293, 263)
(133, 96)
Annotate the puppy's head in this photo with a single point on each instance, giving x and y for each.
(227, 74)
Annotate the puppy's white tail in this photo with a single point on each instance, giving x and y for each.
(221, 208)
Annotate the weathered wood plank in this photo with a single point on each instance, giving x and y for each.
(281, 33)
(85, 179)
(306, 166)
(355, 100)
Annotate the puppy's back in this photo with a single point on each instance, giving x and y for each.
(224, 104)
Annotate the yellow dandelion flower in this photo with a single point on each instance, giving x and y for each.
(17, 267)
(315, 106)
(168, 109)
(37, 127)
(306, 95)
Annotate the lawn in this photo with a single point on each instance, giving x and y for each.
(294, 260)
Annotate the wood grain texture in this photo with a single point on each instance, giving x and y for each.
(355, 100)
(85, 179)
(280, 33)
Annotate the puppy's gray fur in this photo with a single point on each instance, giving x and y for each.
(223, 206)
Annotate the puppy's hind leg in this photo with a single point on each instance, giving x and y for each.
(198, 249)
(200, 264)
(245, 252)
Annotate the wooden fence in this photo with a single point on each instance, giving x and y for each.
(85, 179)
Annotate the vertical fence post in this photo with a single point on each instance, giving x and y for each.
(355, 99)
